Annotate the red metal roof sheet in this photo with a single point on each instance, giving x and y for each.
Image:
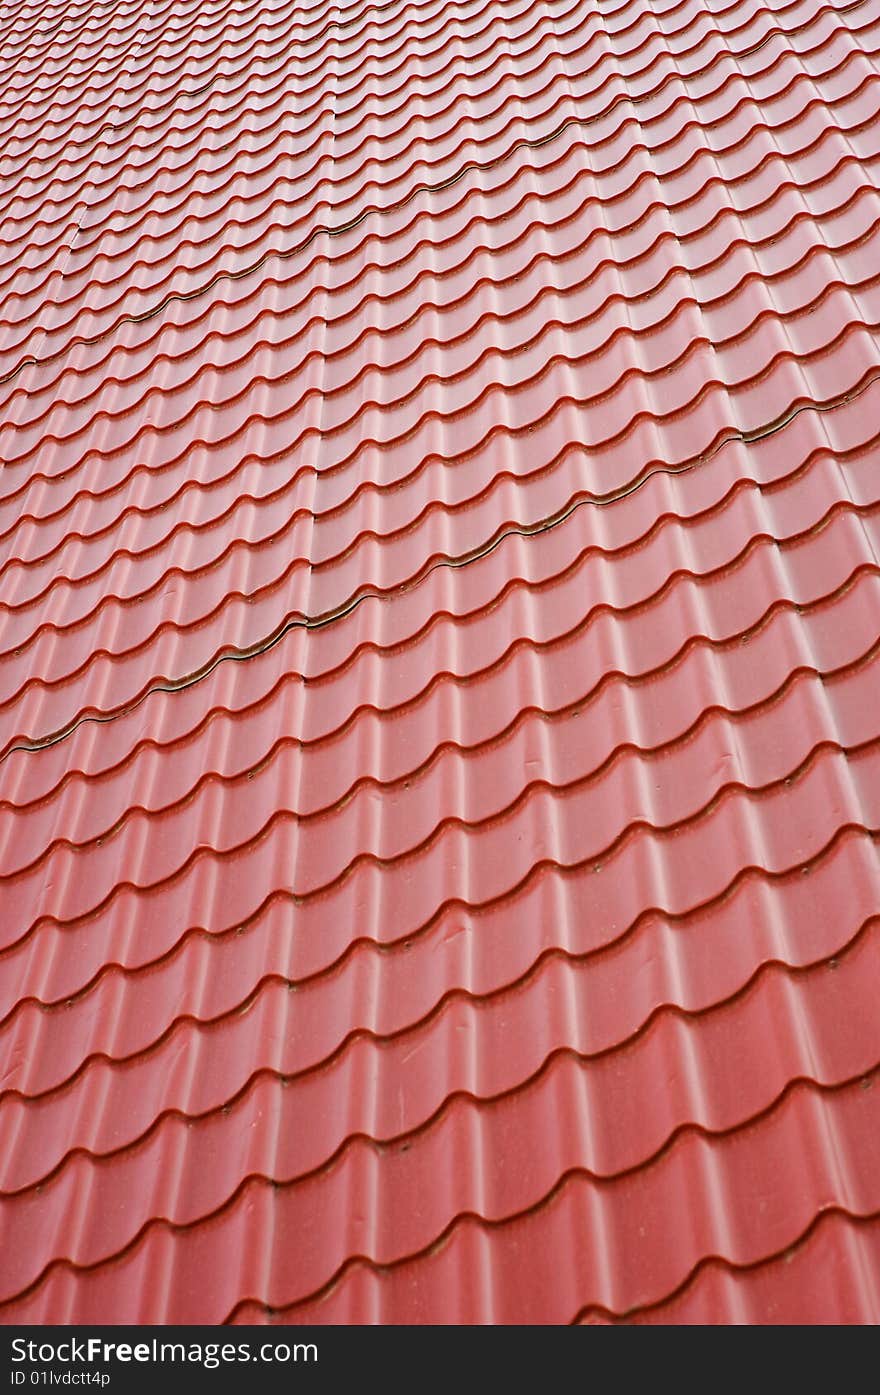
(440, 678)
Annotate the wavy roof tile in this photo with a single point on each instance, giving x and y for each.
(440, 626)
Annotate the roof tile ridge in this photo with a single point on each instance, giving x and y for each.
(90, 184)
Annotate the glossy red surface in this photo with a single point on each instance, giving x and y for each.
(440, 661)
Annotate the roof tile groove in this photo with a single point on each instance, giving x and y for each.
(439, 661)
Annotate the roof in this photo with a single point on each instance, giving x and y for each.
(440, 779)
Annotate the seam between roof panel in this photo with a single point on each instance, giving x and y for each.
(239, 89)
(395, 206)
(263, 646)
(89, 181)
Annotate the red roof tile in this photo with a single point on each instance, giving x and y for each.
(439, 537)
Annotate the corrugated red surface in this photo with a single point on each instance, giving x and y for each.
(440, 678)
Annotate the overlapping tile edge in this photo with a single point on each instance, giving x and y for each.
(550, 1048)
